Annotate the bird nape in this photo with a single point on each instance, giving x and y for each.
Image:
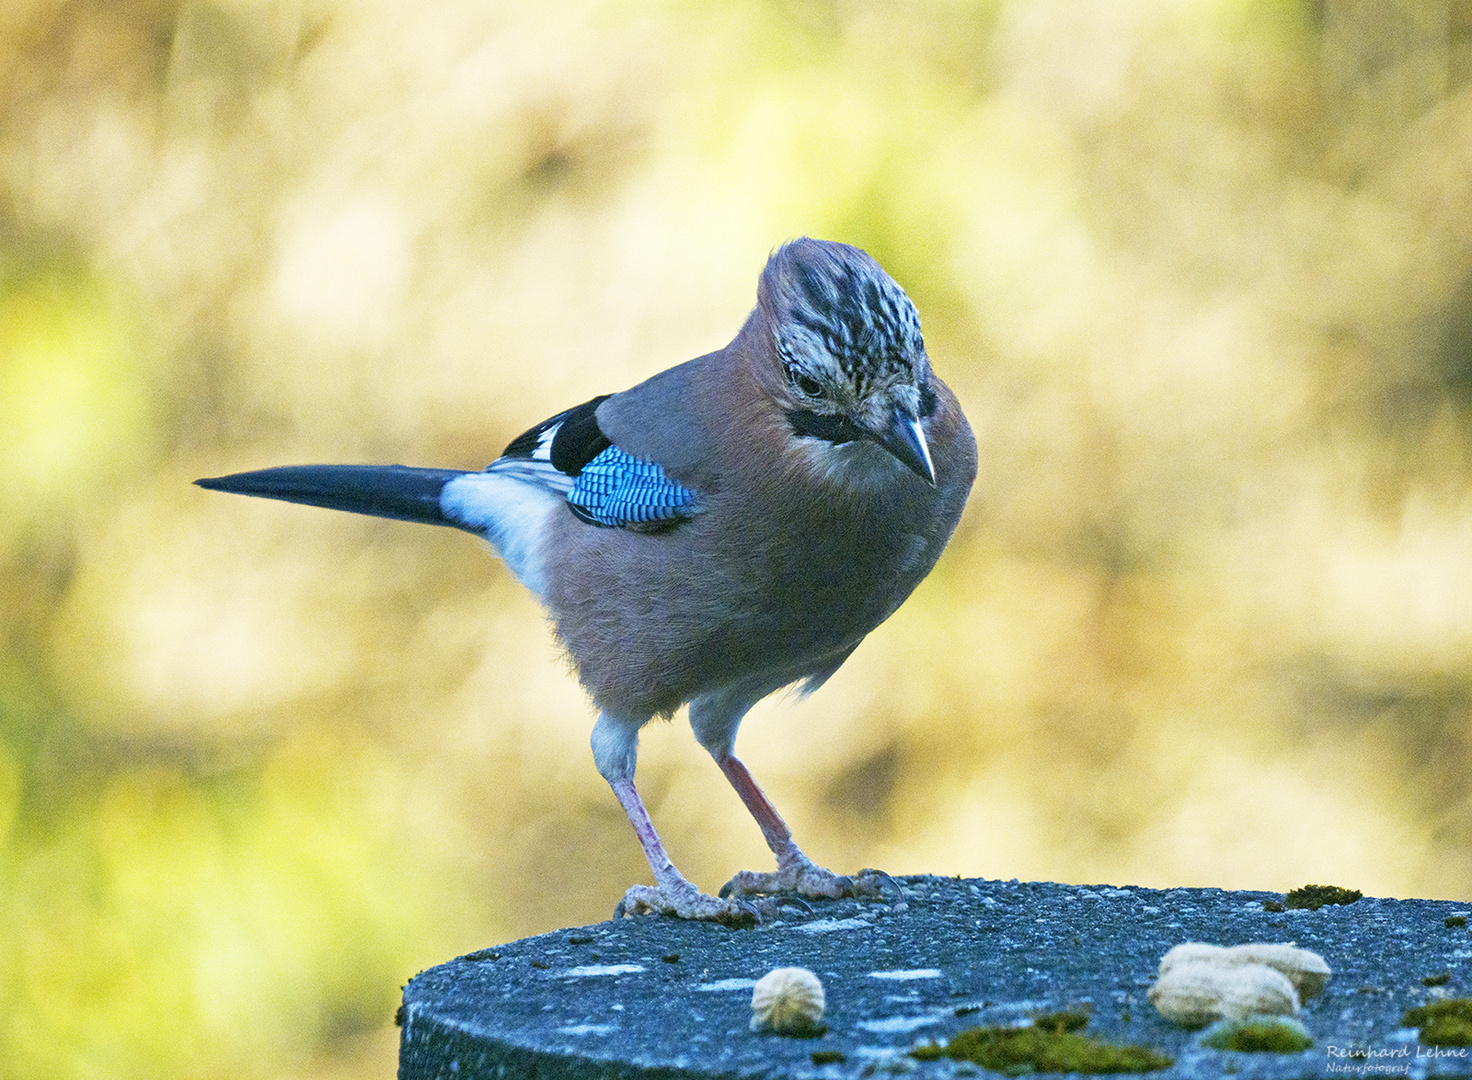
(731, 526)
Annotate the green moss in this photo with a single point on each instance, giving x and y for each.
(1453, 921)
(1440, 979)
(1057, 1023)
(1314, 897)
(828, 1057)
(1442, 1023)
(1271, 1035)
(1050, 1045)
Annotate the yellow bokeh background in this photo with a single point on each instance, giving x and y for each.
(1200, 273)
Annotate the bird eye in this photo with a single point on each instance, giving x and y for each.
(805, 384)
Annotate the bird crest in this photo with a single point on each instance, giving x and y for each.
(843, 329)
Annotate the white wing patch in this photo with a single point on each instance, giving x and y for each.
(535, 472)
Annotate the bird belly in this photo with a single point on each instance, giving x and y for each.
(672, 617)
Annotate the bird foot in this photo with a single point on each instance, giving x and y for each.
(805, 878)
(687, 903)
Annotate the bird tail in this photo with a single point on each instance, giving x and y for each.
(389, 491)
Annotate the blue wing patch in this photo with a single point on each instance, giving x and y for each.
(618, 490)
(604, 486)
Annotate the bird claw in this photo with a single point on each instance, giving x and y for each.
(804, 878)
(768, 905)
(876, 884)
(797, 902)
(688, 904)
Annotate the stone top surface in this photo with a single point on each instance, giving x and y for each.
(657, 997)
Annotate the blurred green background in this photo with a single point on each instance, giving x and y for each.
(1201, 274)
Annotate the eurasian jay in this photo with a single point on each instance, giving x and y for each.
(729, 527)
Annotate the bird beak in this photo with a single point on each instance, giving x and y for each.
(905, 439)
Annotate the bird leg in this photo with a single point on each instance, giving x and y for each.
(672, 893)
(795, 873)
(616, 752)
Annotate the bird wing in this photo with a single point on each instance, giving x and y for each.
(603, 484)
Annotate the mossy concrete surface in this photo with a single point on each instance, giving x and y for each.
(657, 998)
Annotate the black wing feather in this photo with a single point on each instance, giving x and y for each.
(577, 441)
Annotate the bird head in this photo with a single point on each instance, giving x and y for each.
(851, 363)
